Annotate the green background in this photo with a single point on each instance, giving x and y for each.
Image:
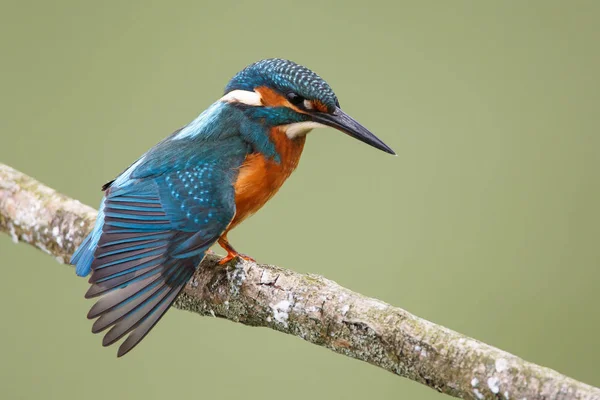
(487, 221)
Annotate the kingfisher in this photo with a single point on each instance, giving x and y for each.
(159, 217)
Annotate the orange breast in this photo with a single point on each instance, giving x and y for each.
(260, 178)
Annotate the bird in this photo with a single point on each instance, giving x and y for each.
(159, 217)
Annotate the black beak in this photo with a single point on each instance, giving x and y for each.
(345, 123)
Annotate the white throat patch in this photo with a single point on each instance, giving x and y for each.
(300, 128)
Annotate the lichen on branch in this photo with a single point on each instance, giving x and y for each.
(311, 307)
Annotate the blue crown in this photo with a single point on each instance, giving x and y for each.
(285, 76)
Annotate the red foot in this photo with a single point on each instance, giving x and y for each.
(231, 253)
(226, 259)
(231, 256)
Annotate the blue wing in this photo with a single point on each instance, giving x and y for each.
(155, 224)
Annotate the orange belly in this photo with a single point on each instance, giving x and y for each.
(260, 178)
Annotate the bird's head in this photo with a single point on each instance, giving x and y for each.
(282, 93)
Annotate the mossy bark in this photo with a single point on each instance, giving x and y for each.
(308, 306)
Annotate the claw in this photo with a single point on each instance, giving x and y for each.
(231, 253)
(231, 256)
(246, 258)
(226, 259)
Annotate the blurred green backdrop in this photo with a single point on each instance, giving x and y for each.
(487, 222)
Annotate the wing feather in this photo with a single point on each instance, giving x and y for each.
(154, 226)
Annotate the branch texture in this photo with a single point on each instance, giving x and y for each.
(308, 306)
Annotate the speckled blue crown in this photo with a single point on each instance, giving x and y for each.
(285, 76)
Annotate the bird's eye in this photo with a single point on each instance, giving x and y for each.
(295, 99)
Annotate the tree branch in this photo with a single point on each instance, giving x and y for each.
(308, 306)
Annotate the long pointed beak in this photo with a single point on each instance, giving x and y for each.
(345, 123)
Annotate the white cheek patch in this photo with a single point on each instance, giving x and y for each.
(244, 97)
(300, 128)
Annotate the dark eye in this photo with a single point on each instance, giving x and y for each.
(295, 99)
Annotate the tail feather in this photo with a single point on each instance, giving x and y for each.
(84, 255)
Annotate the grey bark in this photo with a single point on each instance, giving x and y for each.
(308, 306)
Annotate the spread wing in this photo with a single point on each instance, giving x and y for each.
(155, 224)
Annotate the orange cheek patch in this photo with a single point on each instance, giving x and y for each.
(317, 105)
(271, 98)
